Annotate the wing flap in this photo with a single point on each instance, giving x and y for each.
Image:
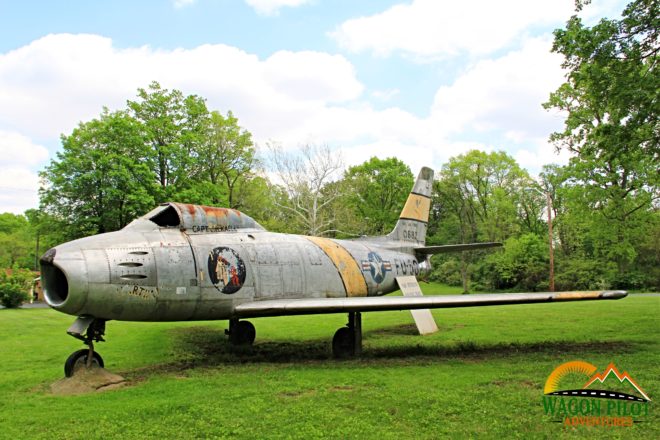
(282, 307)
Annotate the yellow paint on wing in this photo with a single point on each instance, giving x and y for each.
(576, 295)
(417, 208)
(349, 269)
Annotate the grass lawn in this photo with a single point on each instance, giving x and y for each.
(481, 375)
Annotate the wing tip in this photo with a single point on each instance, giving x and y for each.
(614, 294)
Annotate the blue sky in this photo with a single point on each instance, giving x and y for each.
(422, 80)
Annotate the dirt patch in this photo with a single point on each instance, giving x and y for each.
(294, 394)
(341, 388)
(86, 381)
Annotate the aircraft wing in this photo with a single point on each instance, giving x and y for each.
(430, 250)
(281, 307)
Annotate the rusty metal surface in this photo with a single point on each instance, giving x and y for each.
(197, 219)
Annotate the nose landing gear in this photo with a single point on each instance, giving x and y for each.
(89, 330)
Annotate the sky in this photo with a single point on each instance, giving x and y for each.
(420, 80)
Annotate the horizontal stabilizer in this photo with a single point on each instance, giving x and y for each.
(282, 307)
(430, 250)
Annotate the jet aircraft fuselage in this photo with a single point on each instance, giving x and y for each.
(186, 262)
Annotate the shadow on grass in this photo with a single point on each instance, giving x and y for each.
(203, 347)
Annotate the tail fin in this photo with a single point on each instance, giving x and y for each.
(414, 217)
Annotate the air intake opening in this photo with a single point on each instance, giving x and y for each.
(55, 284)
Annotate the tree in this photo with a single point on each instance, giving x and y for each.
(227, 157)
(165, 146)
(478, 197)
(16, 241)
(610, 97)
(98, 183)
(305, 178)
(376, 192)
(173, 128)
(522, 265)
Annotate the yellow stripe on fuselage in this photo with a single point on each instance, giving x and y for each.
(417, 208)
(349, 269)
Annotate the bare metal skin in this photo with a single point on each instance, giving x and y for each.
(186, 262)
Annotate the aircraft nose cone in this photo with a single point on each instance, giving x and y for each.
(63, 277)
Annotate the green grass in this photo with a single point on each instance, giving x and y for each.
(481, 375)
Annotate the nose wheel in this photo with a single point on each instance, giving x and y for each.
(89, 330)
(81, 359)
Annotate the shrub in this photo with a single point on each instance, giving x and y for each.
(523, 265)
(583, 274)
(14, 286)
(448, 272)
(12, 295)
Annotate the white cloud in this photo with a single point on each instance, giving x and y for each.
(18, 181)
(504, 94)
(18, 189)
(272, 7)
(538, 154)
(304, 76)
(50, 85)
(415, 156)
(16, 149)
(385, 95)
(430, 28)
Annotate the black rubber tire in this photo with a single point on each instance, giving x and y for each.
(78, 359)
(243, 333)
(343, 343)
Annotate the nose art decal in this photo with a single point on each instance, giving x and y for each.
(226, 270)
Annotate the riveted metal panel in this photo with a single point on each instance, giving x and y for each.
(98, 266)
(348, 268)
(132, 266)
(292, 273)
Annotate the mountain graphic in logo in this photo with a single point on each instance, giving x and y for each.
(612, 379)
(610, 384)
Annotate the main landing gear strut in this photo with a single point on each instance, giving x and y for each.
(89, 330)
(347, 341)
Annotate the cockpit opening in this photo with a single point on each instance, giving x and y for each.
(167, 217)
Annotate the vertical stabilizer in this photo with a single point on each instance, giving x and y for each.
(414, 217)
